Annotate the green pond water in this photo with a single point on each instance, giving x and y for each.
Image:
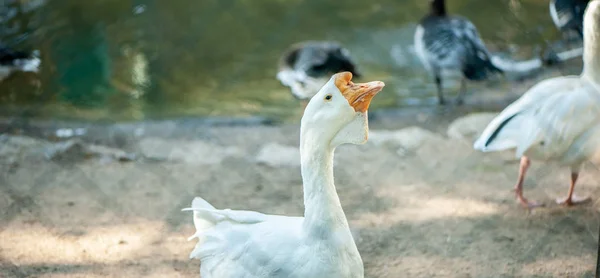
(129, 60)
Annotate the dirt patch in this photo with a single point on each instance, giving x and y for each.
(432, 209)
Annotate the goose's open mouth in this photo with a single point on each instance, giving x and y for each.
(363, 99)
(359, 95)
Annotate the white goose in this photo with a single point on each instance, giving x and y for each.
(558, 119)
(234, 243)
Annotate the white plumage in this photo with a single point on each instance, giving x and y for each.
(556, 120)
(236, 244)
(548, 122)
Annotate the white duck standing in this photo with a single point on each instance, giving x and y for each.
(451, 42)
(305, 67)
(556, 120)
(234, 243)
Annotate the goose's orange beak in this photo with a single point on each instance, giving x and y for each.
(359, 95)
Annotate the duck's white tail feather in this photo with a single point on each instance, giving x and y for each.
(517, 131)
(202, 218)
(203, 221)
(517, 124)
(207, 217)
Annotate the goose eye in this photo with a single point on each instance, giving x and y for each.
(328, 97)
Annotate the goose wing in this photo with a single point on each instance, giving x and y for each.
(237, 243)
(552, 116)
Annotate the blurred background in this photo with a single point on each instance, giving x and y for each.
(132, 60)
(140, 105)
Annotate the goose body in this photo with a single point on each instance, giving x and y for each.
(556, 120)
(305, 67)
(12, 61)
(444, 42)
(235, 243)
(568, 14)
(252, 244)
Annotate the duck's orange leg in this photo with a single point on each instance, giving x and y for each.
(571, 199)
(525, 162)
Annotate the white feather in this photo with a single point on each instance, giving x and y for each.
(558, 20)
(548, 122)
(301, 85)
(420, 48)
(31, 65)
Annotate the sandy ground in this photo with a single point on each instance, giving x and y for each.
(420, 204)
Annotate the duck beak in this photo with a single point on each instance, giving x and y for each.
(359, 95)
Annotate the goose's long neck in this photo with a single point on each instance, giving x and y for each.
(591, 42)
(322, 209)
